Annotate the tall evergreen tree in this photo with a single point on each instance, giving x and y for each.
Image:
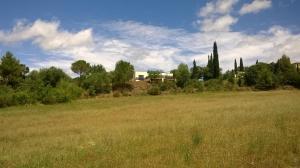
(195, 71)
(256, 61)
(210, 65)
(241, 65)
(235, 67)
(216, 67)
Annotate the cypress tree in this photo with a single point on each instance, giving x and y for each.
(216, 68)
(241, 65)
(211, 63)
(235, 67)
(195, 71)
(210, 67)
(256, 61)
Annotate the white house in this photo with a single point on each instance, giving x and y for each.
(140, 75)
(166, 75)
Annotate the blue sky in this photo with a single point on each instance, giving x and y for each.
(150, 34)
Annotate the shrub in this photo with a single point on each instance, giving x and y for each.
(294, 79)
(214, 85)
(71, 90)
(23, 97)
(123, 87)
(6, 98)
(55, 95)
(116, 94)
(193, 86)
(167, 85)
(97, 83)
(126, 93)
(229, 86)
(154, 90)
(261, 77)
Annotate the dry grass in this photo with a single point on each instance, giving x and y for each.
(243, 129)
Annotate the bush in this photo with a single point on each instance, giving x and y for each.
(193, 86)
(97, 83)
(55, 95)
(71, 90)
(123, 87)
(126, 93)
(154, 90)
(6, 98)
(294, 79)
(167, 85)
(64, 92)
(214, 85)
(261, 77)
(229, 86)
(117, 94)
(23, 97)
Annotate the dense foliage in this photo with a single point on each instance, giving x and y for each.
(19, 86)
(123, 73)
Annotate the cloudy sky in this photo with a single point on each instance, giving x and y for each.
(156, 34)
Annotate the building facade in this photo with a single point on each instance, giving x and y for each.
(142, 76)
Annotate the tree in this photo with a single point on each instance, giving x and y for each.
(80, 67)
(284, 65)
(98, 82)
(260, 76)
(96, 69)
(52, 76)
(195, 71)
(256, 62)
(209, 70)
(124, 72)
(284, 70)
(182, 75)
(235, 67)
(216, 69)
(241, 65)
(12, 71)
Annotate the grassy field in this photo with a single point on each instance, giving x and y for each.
(236, 129)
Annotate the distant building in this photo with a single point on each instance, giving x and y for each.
(141, 76)
(297, 65)
(166, 76)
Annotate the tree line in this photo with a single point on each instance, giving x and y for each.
(19, 85)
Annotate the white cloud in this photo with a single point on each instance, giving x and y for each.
(216, 16)
(217, 7)
(148, 46)
(225, 6)
(255, 6)
(222, 23)
(47, 35)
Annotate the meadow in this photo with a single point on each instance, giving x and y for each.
(226, 129)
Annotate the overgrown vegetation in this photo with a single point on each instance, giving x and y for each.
(19, 86)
